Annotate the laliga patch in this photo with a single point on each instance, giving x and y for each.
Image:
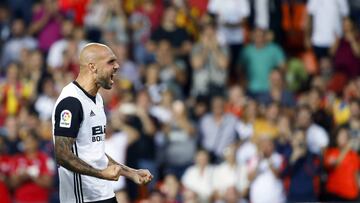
(65, 119)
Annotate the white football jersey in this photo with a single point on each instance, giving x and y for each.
(78, 114)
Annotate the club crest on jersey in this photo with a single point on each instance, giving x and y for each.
(65, 119)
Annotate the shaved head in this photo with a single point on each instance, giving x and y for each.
(92, 52)
(98, 61)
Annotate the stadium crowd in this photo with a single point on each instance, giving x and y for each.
(251, 101)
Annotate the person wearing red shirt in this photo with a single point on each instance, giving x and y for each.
(32, 171)
(4, 173)
(342, 164)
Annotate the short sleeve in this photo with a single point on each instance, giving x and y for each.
(68, 117)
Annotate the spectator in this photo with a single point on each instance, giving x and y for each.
(46, 24)
(237, 101)
(58, 48)
(283, 141)
(324, 24)
(259, 59)
(231, 17)
(245, 130)
(129, 71)
(264, 171)
(317, 138)
(45, 102)
(354, 124)
(116, 143)
(142, 22)
(342, 164)
(198, 178)
(302, 169)
(180, 146)
(163, 111)
(11, 131)
(177, 37)
(14, 92)
(171, 189)
(17, 42)
(5, 165)
(230, 175)
(267, 125)
(278, 92)
(142, 152)
(31, 173)
(266, 15)
(96, 12)
(346, 50)
(172, 71)
(33, 71)
(115, 22)
(319, 112)
(217, 129)
(210, 61)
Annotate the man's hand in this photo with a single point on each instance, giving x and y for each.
(112, 172)
(142, 176)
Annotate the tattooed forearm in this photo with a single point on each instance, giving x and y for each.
(68, 160)
(111, 160)
(125, 170)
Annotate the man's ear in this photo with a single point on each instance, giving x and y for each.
(92, 67)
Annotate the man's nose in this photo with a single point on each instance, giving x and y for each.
(117, 66)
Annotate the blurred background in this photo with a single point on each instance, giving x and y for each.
(246, 101)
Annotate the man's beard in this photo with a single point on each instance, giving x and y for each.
(104, 83)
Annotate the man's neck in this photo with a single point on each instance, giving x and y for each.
(88, 85)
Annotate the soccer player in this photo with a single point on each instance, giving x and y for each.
(79, 124)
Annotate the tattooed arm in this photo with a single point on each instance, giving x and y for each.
(68, 160)
(125, 170)
(140, 176)
(111, 160)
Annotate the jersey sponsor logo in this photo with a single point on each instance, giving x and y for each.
(65, 119)
(92, 113)
(98, 133)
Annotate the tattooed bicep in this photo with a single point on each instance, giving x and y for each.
(63, 144)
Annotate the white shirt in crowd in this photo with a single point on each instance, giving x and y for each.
(262, 18)
(246, 152)
(56, 52)
(327, 20)
(230, 11)
(244, 130)
(44, 105)
(316, 138)
(266, 187)
(199, 182)
(115, 147)
(227, 176)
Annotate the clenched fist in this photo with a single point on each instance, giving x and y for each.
(142, 176)
(111, 172)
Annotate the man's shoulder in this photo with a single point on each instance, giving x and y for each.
(68, 91)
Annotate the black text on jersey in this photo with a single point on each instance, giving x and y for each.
(98, 133)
